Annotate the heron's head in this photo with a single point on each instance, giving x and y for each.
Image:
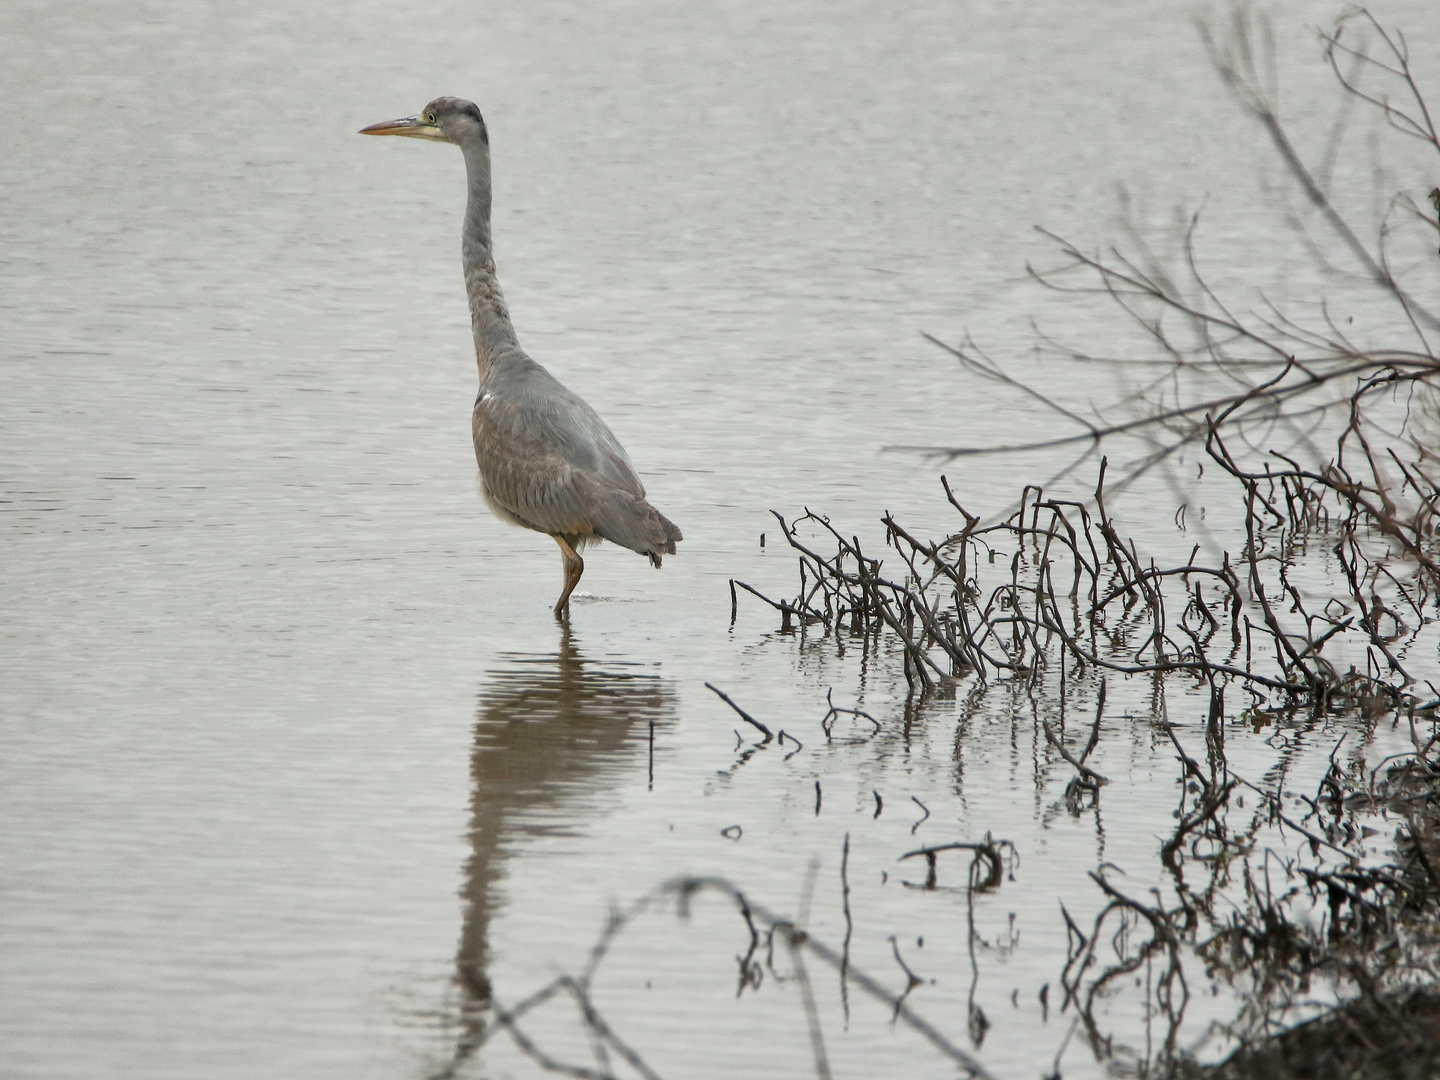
(446, 119)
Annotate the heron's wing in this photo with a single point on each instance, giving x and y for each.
(545, 412)
(552, 470)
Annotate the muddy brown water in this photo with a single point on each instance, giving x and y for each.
(295, 766)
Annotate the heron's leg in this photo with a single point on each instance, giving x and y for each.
(574, 567)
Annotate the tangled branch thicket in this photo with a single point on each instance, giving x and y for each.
(1323, 604)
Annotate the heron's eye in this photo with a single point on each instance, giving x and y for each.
(429, 118)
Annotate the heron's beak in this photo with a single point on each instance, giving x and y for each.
(412, 126)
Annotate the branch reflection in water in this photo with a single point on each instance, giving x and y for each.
(551, 734)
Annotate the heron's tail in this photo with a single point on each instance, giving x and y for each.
(633, 523)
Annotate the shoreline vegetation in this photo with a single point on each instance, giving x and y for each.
(1055, 594)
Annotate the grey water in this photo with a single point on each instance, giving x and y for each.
(297, 772)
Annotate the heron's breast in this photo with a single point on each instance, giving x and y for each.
(524, 480)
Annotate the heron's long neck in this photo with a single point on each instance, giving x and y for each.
(489, 318)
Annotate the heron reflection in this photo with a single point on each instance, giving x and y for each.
(553, 733)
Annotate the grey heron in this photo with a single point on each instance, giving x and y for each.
(547, 461)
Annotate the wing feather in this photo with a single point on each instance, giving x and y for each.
(549, 463)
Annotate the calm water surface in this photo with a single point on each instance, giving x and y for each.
(296, 769)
